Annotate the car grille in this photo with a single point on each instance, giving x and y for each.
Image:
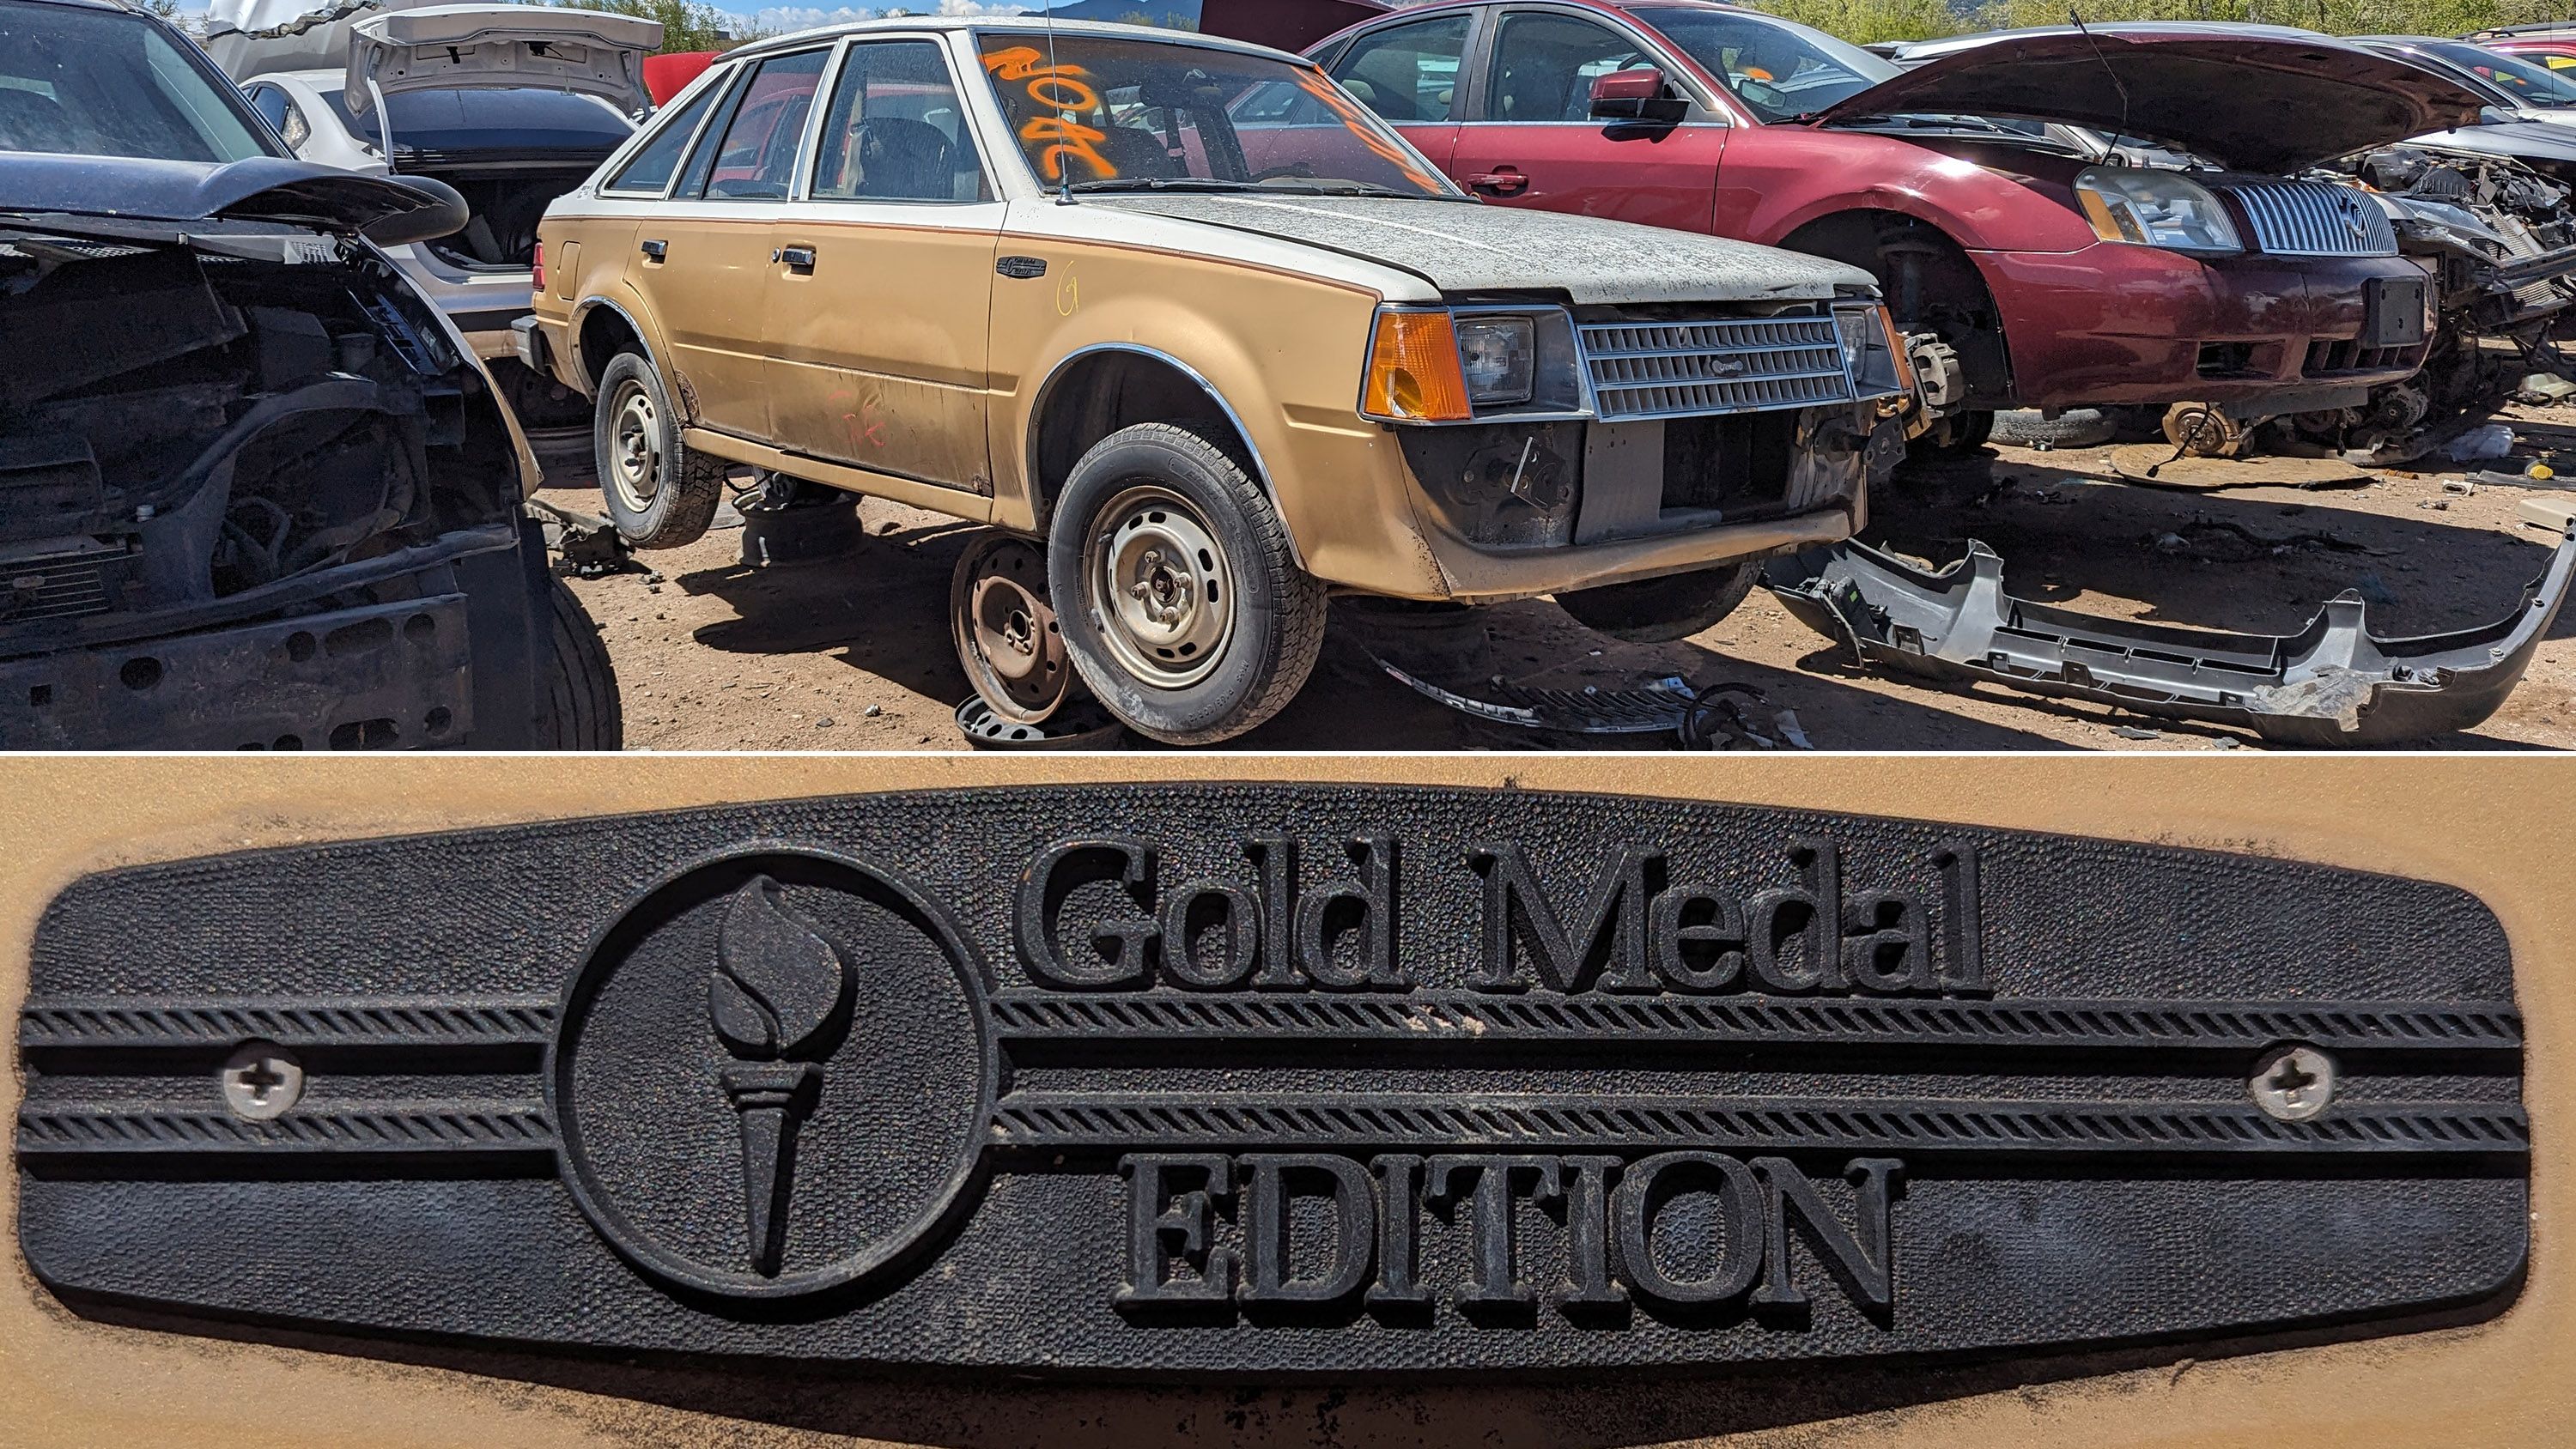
(1721, 365)
(2314, 219)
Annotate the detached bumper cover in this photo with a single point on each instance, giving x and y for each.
(2332, 683)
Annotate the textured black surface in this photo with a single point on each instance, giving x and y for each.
(2081, 1161)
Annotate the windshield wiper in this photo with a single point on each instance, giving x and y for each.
(1332, 186)
(1161, 183)
(1287, 186)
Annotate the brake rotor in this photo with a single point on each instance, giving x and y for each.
(2202, 431)
(1006, 632)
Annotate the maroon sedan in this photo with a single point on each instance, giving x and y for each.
(2039, 265)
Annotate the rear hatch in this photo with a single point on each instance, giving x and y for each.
(513, 105)
(452, 47)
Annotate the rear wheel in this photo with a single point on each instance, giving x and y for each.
(1657, 611)
(582, 708)
(1182, 606)
(661, 492)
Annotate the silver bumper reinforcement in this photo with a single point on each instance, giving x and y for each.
(2332, 683)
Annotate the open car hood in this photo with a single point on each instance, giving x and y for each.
(451, 47)
(2252, 103)
(388, 209)
(1289, 25)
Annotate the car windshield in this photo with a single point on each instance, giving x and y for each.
(2530, 84)
(1780, 71)
(1101, 114)
(108, 83)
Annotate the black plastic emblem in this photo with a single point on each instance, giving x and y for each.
(1273, 1080)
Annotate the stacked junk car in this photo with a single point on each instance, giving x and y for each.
(256, 492)
(353, 353)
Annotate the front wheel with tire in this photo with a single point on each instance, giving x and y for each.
(661, 492)
(1658, 611)
(1182, 605)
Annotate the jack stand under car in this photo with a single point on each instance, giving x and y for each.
(2333, 683)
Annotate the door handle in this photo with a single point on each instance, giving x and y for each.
(798, 259)
(653, 250)
(1501, 181)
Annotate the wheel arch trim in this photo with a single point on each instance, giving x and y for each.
(580, 322)
(1045, 395)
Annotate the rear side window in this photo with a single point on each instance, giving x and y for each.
(1407, 72)
(651, 169)
(755, 159)
(896, 131)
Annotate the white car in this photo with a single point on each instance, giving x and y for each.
(512, 105)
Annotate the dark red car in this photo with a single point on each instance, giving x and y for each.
(2049, 278)
(2552, 45)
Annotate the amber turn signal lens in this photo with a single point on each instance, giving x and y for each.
(1896, 350)
(1413, 373)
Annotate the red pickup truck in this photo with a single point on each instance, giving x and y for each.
(2037, 264)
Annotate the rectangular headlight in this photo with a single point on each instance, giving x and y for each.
(1879, 365)
(1499, 356)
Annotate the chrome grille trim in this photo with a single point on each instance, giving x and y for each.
(1717, 365)
(2313, 219)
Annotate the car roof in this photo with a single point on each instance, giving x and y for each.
(92, 5)
(1000, 24)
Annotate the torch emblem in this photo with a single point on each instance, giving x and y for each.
(779, 999)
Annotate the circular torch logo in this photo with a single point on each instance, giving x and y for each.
(773, 1076)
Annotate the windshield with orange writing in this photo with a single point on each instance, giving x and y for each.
(1100, 114)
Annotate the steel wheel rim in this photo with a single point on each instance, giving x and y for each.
(635, 447)
(1160, 592)
(1013, 643)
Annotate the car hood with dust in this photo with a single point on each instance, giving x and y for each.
(1462, 247)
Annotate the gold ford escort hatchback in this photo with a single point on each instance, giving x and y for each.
(1201, 340)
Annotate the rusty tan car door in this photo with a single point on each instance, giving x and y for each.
(704, 256)
(881, 293)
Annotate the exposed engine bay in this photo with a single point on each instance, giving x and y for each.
(2500, 245)
(250, 429)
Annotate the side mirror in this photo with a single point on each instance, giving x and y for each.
(1634, 95)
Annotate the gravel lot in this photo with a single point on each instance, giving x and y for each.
(853, 652)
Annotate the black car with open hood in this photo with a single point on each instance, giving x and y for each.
(254, 491)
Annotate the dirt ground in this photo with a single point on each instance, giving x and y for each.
(853, 652)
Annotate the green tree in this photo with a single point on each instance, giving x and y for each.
(1865, 21)
(686, 25)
